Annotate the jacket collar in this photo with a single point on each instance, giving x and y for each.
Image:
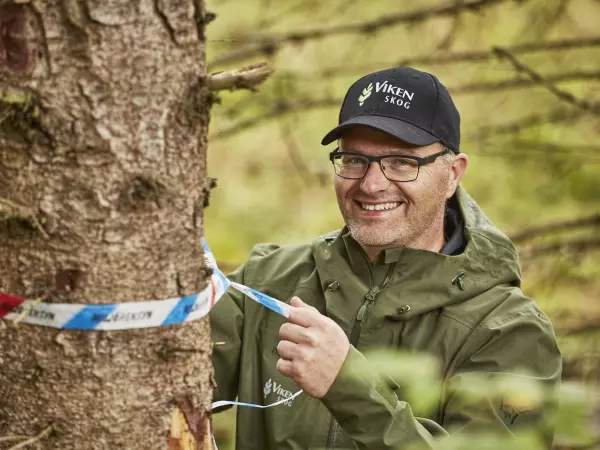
(433, 279)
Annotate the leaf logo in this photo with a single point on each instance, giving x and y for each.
(366, 93)
(267, 388)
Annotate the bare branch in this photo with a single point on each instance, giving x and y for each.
(450, 36)
(579, 245)
(295, 155)
(268, 45)
(460, 57)
(308, 104)
(533, 232)
(588, 325)
(280, 15)
(518, 82)
(516, 126)
(245, 78)
(280, 108)
(523, 148)
(511, 83)
(593, 107)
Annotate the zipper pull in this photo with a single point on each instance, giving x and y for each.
(372, 294)
(362, 311)
(370, 298)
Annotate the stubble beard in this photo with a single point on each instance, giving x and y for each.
(405, 233)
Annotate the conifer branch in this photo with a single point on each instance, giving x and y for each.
(268, 45)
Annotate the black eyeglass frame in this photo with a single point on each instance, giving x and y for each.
(371, 159)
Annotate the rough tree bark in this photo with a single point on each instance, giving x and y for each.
(104, 109)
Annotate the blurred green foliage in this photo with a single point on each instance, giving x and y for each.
(534, 159)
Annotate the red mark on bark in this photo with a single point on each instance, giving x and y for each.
(14, 51)
(67, 280)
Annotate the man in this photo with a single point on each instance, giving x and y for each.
(417, 268)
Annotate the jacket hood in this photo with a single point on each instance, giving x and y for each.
(489, 259)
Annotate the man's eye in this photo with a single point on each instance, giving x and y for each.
(400, 162)
(352, 160)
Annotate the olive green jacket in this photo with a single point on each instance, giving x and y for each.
(467, 310)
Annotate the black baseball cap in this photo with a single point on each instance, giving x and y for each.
(403, 102)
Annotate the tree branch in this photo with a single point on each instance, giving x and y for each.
(588, 325)
(579, 245)
(280, 108)
(268, 45)
(593, 107)
(459, 57)
(518, 82)
(295, 155)
(516, 126)
(533, 232)
(522, 148)
(308, 104)
(245, 78)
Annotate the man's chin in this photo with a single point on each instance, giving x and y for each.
(372, 238)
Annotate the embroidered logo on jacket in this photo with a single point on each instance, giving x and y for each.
(275, 392)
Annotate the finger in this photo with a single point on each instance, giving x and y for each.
(294, 333)
(299, 303)
(287, 350)
(305, 316)
(284, 367)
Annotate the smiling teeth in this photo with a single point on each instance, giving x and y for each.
(380, 207)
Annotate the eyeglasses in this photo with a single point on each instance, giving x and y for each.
(395, 167)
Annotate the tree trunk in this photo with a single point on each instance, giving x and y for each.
(104, 110)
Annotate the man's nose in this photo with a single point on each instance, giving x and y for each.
(374, 180)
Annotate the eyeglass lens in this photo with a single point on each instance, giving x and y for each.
(395, 168)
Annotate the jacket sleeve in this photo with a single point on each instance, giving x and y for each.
(369, 411)
(226, 322)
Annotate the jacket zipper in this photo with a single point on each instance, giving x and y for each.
(355, 335)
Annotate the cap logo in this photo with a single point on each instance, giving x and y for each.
(366, 93)
(399, 96)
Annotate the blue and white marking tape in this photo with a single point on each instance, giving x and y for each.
(272, 303)
(123, 316)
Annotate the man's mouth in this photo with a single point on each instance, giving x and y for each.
(379, 206)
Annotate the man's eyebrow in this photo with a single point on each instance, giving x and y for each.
(390, 151)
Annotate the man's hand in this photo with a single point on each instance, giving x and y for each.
(312, 348)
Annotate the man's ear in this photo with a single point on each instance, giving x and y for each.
(457, 170)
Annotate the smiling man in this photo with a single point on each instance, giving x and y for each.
(401, 200)
(418, 267)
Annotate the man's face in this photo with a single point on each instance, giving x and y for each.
(414, 211)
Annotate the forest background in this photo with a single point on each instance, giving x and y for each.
(525, 77)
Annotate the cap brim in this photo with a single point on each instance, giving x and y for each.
(394, 127)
